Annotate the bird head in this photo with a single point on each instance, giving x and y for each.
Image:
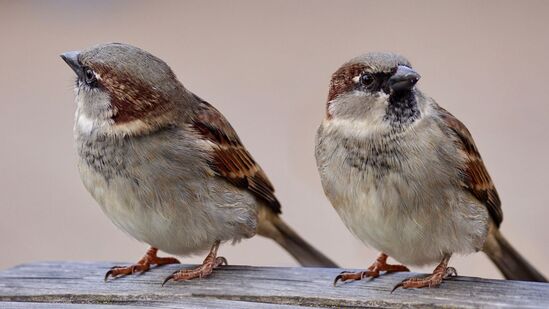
(374, 88)
(122, 89)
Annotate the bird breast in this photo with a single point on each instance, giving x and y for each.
(157, 189)
(399, 192)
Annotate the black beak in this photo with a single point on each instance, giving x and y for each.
(404, 79)
(71, 58)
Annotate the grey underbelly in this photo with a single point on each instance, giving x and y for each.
(171, 220)
(405, 218)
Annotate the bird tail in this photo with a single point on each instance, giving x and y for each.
(271, 226)
(512, 265)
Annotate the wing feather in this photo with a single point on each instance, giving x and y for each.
(475, 176)
(230, 159)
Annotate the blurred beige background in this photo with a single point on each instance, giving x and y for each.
(266, 66)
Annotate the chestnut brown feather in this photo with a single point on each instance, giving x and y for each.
(476, 178)
(230, 159)
(131, 98)
(342, 79)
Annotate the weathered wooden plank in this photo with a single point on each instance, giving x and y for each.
(188, 303)
(68, 283)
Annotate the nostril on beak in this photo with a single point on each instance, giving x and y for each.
(404, 79)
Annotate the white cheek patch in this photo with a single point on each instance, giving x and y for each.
(84, 124)
(129, 128)
(331, 107)
(357, 128)
(369, 124)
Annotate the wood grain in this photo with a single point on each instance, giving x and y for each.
(80, 285)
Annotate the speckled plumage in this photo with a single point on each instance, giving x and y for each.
(404, 174)
(395, 188)
(167, 167)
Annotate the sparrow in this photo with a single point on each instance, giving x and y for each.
(405, 175)
(166, 166)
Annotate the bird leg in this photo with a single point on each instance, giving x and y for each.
(211, 262)
(441, 272)
(143, 265)
(373, 271)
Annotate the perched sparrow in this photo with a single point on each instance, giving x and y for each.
(405, 175)
(166, 167)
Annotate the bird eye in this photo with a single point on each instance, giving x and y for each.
(89, 76)
(367, 79)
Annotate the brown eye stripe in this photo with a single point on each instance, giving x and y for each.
(130, 98)
(342, 79)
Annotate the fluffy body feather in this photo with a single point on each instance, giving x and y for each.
(395, 189)
(173, 207)
(405, 175)
(164, 165)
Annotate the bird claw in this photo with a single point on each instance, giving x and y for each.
(373, 271)
(141, 266)
(198, 272)
(351, 276)
(170, 277)
(220, 260)
(400, 284)
(338, 277)
(450, 272)
(107, 275)
(120, 271)
(431, 281)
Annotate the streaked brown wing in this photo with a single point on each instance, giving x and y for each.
(230, 159)
(476, 177)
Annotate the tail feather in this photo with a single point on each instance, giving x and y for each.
(272, 226)
(512, 265)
